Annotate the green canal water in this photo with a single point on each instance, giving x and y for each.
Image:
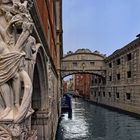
(91, 122)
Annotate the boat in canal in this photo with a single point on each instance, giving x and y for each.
(66, 102)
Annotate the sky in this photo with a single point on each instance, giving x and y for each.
(103, 25)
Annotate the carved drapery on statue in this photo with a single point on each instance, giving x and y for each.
(15, 41)
(9, 65)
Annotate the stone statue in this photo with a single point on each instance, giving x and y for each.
(13, 39)
(17, 45)
(30, 50)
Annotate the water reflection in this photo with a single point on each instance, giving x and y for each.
(90, 122)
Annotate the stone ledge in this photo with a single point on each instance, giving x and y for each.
(41, 115)
(40, 118)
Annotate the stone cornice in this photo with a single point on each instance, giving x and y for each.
(84, 53)
(132, 45)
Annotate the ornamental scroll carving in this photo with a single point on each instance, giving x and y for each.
(15, 41)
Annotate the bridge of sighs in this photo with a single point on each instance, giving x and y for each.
(83, 61)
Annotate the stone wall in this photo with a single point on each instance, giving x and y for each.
(46, 93)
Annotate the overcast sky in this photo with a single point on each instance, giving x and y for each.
(103, 25)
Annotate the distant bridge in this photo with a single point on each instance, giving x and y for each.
(83, 61)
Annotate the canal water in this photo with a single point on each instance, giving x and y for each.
(91, 122)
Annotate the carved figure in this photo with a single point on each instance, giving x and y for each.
(11, 57)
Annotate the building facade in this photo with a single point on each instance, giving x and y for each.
(48, 25)
(120, 87)
(82, 84)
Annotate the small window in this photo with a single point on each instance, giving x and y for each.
(95, 94)
(110, 78)
(104, 94)
(95, 81)
(110, 65)
(109, 93)
(117, 95)
(118, 61)
(100, 80)
(129, 74)
(128, 96)
(75, 64)
(118, 76)
(99, 93)
(129, 56)
(92, 63)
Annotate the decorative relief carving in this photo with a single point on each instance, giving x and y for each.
(16, 45)
(50, 84)
(5, 134)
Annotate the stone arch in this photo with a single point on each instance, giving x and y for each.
(40, 81)
(99, 73)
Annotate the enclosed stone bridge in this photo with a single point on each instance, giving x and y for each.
(83, 61)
